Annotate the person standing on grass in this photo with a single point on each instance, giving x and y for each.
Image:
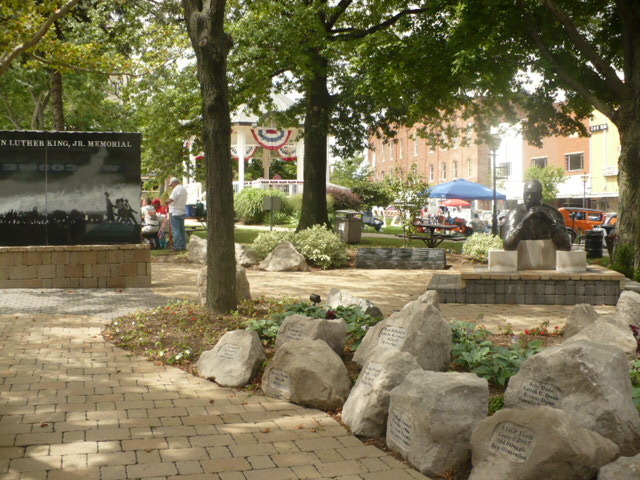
(178, 212)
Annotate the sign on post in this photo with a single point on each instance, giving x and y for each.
(273, 204)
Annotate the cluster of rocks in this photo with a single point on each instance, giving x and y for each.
(568, 413)
(284, 258)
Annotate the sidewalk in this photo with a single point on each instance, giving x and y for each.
(75, 407)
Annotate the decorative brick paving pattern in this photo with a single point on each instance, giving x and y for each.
(75, 407)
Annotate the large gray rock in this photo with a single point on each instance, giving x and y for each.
(299, 327)
(367, 408)
(309, 373)
(197, 249)
(624, 468)
(419, 328)
(246, 257)
(342, 298)
(234, 360)
(590, 381)
(610, 330)
(430, 297)
(431, 417)
(537, 443)
(581, 316)
(197, 252)
(243, 291)
(284, 258)
(629, 306)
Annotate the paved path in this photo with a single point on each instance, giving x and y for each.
(73, 407)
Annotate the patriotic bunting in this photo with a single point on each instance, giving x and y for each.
(249, 152)
(270, 138)
(288, 153)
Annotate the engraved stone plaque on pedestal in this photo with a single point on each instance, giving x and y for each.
(536, 255)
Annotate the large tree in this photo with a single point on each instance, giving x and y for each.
(307, 46)
(547, 61)
(78, 72)
(205, 24)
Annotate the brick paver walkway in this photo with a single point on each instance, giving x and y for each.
(73, 406)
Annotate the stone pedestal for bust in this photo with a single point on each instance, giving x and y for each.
(536, 255)
(574, 261)
(503, 261)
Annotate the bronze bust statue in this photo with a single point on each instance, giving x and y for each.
(534, 220)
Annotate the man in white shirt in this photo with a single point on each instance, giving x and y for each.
(178, 212)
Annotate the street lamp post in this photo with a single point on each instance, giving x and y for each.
(494, 144)
(585, 178)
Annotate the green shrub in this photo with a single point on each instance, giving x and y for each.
(321, 247)
(266, 242)
(296, 204)
(623, 261)
(344, 199)
(477, 246)
(635, 383)
(266, 328)
(248, 204)
(318, 245)
(471, 351)
(357, 321)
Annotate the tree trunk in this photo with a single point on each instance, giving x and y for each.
(40, 104)
(316, 129)
(628, 226)
(57, 102)
(205, 24)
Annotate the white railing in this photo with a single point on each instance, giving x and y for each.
(290, 187)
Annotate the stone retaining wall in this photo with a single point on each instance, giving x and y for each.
(596, 286)
(76, 266)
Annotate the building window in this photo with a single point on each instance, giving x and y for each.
(373, 158)
(539, 162)
(443, 171)
(431, 173)
(575, 161)
(503, 170)
(469, 167)
(400, 149)
(392, 151)
(454, 170)
(415, 146)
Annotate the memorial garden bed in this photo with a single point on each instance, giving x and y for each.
(178, 333)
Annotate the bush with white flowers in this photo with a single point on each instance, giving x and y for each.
(477, 246)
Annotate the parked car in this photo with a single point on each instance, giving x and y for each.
(581, 220)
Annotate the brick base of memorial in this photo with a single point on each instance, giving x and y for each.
(76, 266)
(408, 258)
(596, 286)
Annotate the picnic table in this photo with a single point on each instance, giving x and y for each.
(435, 234)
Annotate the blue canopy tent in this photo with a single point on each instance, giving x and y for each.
(465, 190)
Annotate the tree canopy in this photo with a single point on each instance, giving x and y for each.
(548, 63)
(309, 47)
(549, 177)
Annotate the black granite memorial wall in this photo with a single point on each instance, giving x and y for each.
(69, 188)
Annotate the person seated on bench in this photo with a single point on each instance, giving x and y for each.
(478, 225)
(150, 223)
(369, 219)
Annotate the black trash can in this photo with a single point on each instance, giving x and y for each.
(594, 243)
